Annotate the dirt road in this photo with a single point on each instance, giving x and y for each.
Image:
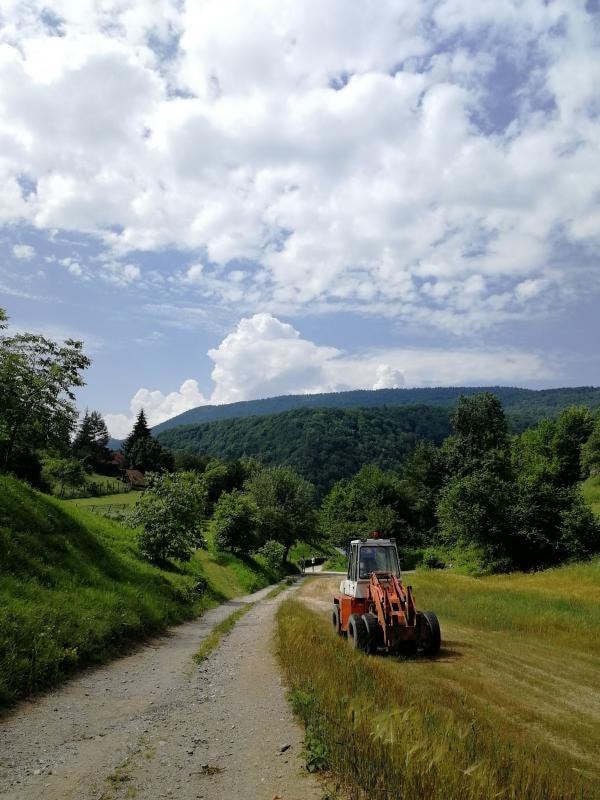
(156, 725)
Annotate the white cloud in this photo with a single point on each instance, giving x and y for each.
(264, 357)
(24, 252)
(349, 152)
(157, 407)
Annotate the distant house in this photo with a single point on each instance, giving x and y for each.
(135, 478)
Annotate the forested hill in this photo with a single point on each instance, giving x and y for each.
(528, 404)
(323, 444)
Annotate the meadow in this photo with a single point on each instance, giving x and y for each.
(510, 708)
(74, 589)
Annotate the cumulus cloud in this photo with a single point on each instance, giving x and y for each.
(264, 357)
(24, 252)
(157, 407)
(371, 157)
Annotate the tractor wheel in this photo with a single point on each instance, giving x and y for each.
(357, 632)
(336, 619)
(429, 633)
(374, 632)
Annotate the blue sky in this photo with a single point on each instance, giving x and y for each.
(229, 200)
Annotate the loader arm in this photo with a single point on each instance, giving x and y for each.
(394, 606)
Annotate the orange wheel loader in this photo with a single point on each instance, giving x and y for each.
(375, 610)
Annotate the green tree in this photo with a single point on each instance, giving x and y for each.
(91, 440)
(480, 436)
(37, 381)
(63, 472)
(171, 513)
(140, 431)
(422, 479)
(474, 514)
(236, 522)
(373, 500)
(590, 452)
(285, 502)
(147, 455)
(474, 506)
(551, 521)
(574, 425)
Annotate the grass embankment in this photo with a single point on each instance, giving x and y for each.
(510, 708)
(74, 589)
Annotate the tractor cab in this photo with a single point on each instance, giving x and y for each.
(366, 557)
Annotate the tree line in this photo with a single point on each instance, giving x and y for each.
(471, 493)
(483, 499)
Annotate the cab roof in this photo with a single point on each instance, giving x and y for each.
(373, 542)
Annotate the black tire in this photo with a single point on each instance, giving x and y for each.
(336, 619)
(374, 632)
(430, 637)
(357, 632)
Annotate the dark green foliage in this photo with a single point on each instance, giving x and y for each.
(323, 445)
(590, 452)
(147, 455)
(91, 440)
(37, 381)
(188, 461)
(143, 452)
(423, 476)
(171, 513)
(140, 431)
(474, 511)
(236, 522)
(372, 500)
(525, 406)
(285, 503)
(219, 477)
(518, 505)
(480, 436)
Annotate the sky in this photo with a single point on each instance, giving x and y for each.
(233, 199)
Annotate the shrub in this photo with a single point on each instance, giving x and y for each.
(171, 513)
(273, 553)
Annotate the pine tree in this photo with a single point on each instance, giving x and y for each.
(91, 440)
(140, 431)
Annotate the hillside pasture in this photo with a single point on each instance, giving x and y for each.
(510, 708)
(74, 589)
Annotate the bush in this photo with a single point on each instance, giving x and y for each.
(236, 522)
(432, 560)
(171, 513)
(273, 553)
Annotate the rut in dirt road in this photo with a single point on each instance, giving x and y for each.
(156, 725)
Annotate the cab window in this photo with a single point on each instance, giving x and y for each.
(378, 559)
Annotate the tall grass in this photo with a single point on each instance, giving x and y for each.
(507, 711)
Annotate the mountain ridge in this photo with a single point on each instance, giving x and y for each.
(512, 397)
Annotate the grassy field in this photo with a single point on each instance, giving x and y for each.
(74, 589)
(591, 492)
(123, 498)
(510, 708)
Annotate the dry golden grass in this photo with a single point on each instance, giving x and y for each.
(510, 708)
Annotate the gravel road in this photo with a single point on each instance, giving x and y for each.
(154, 724)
